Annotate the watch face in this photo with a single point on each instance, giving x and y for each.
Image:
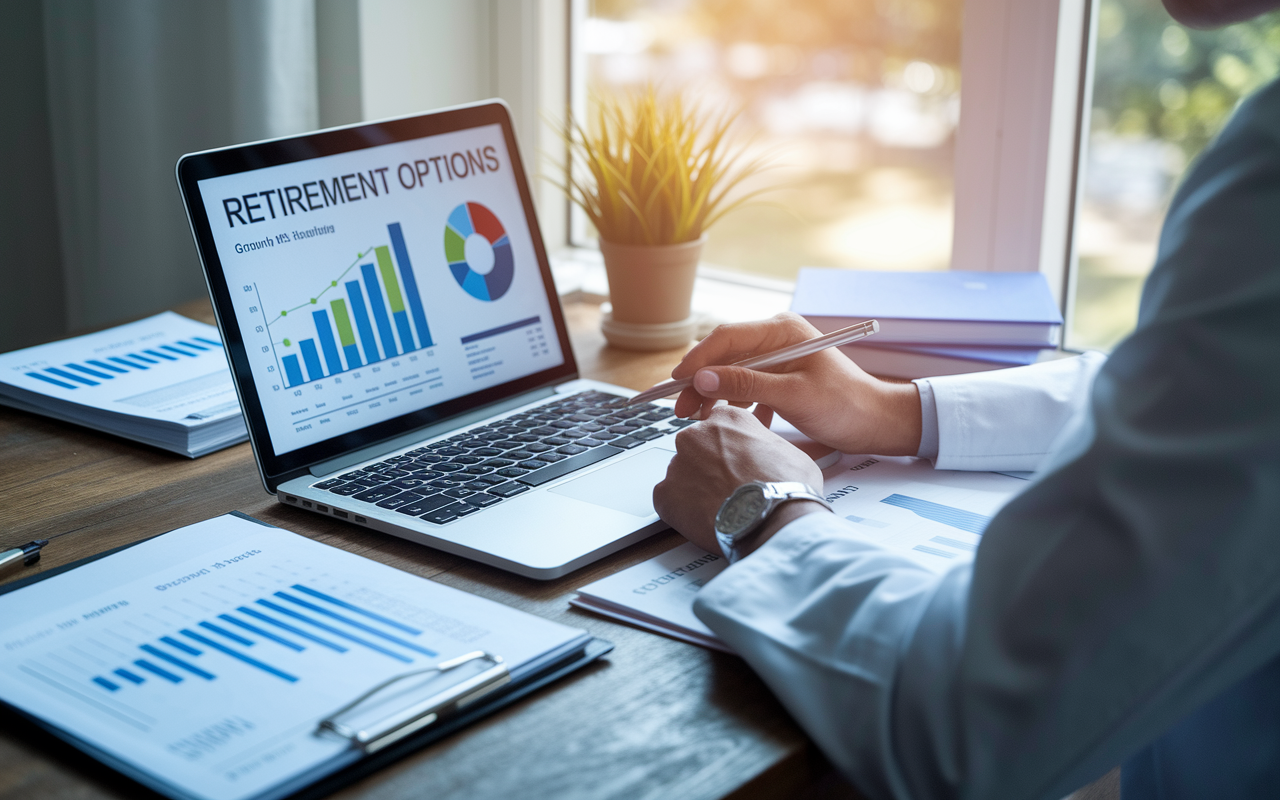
(742, 511)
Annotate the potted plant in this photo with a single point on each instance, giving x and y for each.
(653, 174)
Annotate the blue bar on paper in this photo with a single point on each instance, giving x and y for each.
(164, 356)
(175, 661)
(410, 285)
(106, 684)
(335, 631)
(311, 358)
(154, 670)
(106, 376)
(192, 343)
(54, 381)
(271, 637)
(129, 676)
(510, 326)
(177, 645)
(106, 366)
(406, 333)
(379, 311)
(947, 515)
(292, 371)
(356, 295)
(213, 342)
(319, 595)
(177, 350)
(71, 376)
(221, 631)
(284, 626)
(355, 624)
(127, 363)
(327, 343)
(353, 356)
(143, 359)
(253, 662)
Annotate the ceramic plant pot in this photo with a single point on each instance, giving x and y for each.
(651, 289)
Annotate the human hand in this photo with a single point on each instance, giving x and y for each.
(825, 395)
(713, 458)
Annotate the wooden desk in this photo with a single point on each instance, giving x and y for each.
(657, 718)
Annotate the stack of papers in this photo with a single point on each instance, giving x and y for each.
(934, 518)
(934, 323)
(162, 381)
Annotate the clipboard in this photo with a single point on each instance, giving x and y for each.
(429, 719)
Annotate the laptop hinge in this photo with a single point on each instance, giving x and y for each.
(430, 431)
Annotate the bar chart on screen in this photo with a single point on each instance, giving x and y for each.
(367, 312)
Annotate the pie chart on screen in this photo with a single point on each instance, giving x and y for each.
(478, 252)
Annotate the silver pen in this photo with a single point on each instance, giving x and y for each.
(27, 554)
(787, 354)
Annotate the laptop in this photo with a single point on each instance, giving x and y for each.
(399, 348)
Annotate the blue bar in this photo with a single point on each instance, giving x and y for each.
(192, 343)
(221, 631)
(103, 375)
(106, 684)
(160, 355)
(356, 295)
(353, 356)
(250, 661)
(357, 625)
(510, 326)
(106, 366)
(143, 358)
(129, 676)
(335, 631)
(410, 284)
(213, 342)
(292, 371)
(406, 333)
(47, 379)
(284, 626)
(175, 661)
(260, 632)
(327, 344)
(62, 373)
(379, 311)
(177, 645)
(133, 364)
(947, 515)
(311, 358)
(351, 607)
(154, 670)
(177, 350)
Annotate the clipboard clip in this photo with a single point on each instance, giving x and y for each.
(374, 736)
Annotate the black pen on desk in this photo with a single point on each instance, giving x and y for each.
(26, 555)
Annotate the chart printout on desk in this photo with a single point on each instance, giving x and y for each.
(207, 656)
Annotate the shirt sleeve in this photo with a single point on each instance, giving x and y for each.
(1136, 578)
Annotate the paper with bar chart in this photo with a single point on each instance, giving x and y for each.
(207, 656)
(162, 380)
(934, 517)
(394, 291)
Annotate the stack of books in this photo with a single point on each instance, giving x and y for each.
(934, 323)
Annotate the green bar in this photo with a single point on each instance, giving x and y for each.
(389, 279)
(343, 322)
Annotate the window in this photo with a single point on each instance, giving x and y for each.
(1160, 93)
(858, 99)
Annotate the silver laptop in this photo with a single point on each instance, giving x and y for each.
(399, 348)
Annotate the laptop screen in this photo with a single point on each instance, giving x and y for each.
(378, 281)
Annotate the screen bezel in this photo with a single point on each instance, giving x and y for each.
(196, 167)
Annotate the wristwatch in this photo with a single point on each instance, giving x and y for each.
(742, 514)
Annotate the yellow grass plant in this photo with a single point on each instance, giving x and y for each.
(653, 170)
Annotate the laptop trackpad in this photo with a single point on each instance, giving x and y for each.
(626, 486)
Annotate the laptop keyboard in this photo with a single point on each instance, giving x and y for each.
(472, 471)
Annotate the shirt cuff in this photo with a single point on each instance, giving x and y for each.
(928, 421)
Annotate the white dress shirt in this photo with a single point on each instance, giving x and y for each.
(1133, 582)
